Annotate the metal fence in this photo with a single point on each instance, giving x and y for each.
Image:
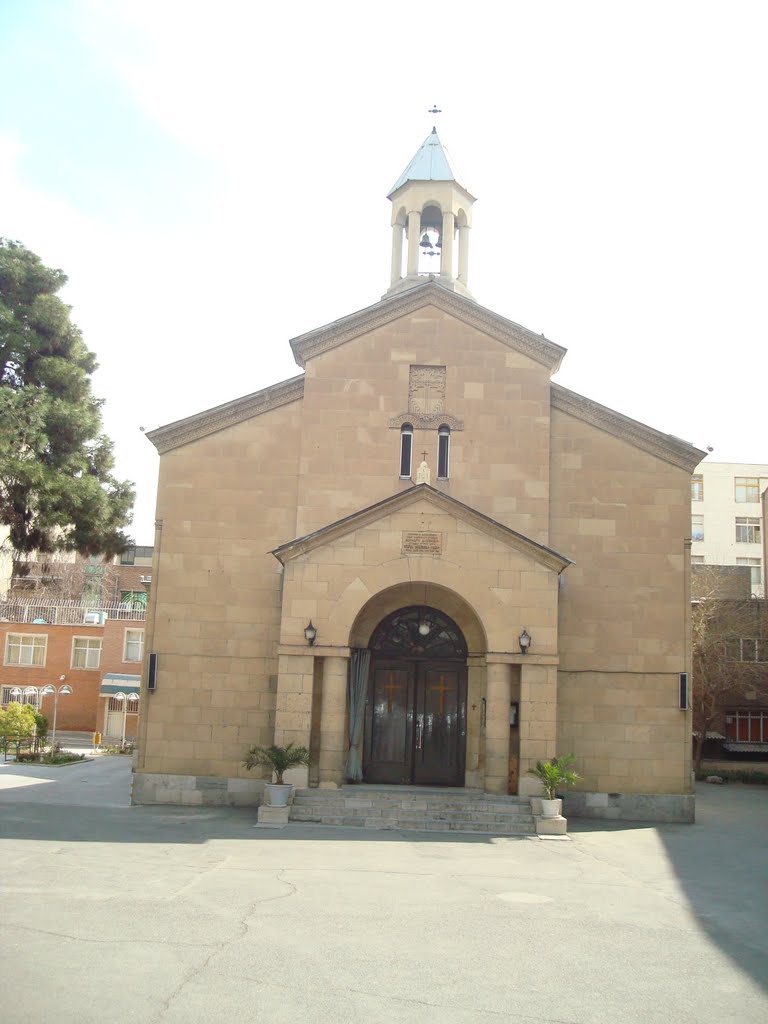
(68, 613)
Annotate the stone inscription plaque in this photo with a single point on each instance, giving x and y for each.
(422, 543)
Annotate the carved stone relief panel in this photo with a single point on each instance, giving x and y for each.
(426, 389)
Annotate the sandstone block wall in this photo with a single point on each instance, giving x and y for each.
(622, 515)
(225, 501)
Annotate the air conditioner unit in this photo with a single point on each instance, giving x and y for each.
(94, 618)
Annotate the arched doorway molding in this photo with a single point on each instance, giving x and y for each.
(431, 595)
(418, 681)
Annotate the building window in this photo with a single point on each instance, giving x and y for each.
(697, 527)
(134, 645)
(134, 599)
(747, 530)
(406, 451)
(26, 649)
(746, 726)
(746, 649)
(757, 569)
(749, 488)
(697, 559)
(443, 452)
(86, 652)
(697, 487)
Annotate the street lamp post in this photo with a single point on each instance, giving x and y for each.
(56, 691)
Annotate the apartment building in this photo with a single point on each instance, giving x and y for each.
(727, 517)
(77, 625)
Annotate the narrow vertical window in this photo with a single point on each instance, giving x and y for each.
(406, 449)
(443, 452)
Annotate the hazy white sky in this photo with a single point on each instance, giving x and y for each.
(213, 179)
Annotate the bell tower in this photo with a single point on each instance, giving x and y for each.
(433, 213)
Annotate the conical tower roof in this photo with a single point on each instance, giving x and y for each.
(430, 163)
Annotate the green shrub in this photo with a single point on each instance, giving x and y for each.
(279, 759)
(555, 773)
(61, 757)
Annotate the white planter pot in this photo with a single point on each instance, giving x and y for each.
(279, 795)
(550, 808)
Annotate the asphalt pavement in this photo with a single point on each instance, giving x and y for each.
(163, 915)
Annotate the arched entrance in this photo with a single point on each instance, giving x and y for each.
(416, 715)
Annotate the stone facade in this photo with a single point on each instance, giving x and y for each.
(539, 479)
(557, 516)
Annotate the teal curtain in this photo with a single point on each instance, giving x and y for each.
(357, 690)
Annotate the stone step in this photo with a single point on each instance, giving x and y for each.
(421, 824)
(426, 810)
(407, 799)
(435, 811)
(303, 812)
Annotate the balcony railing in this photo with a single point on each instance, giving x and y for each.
(68, 613)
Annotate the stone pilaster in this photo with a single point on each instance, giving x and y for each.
(498, 693)
(293, 710)
(538, 721)
(332, 722)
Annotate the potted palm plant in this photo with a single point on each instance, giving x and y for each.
(279, 759)
(552, 775)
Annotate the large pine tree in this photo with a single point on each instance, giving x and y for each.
(57, 491)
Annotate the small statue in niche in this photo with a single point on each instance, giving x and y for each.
(423, 475)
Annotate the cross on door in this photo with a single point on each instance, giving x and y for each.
(442, 689)
(390, 687)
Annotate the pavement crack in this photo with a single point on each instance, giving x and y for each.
(503, 1014)
(478, 1013)
(189, 976)
(220, 947)
(109, 942)
(292, 890)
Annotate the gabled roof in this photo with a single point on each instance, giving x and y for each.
(430, 163)
(445, 503)
(173, 435)
(664, 446)
(431, 293)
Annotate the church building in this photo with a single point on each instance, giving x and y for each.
(421, 559)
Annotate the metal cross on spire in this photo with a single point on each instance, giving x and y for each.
(434, 110)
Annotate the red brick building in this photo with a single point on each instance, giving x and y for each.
(78, 625)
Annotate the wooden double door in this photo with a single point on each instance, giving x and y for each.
(416, 722)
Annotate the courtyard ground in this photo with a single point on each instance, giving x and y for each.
(177, 916)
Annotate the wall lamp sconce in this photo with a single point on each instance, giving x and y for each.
(524, 640)
(310, 633)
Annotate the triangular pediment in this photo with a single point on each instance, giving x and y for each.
(435, 499)
(431, 293)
